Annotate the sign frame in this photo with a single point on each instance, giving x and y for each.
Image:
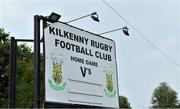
(75, 104)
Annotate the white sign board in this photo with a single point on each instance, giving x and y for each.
(80, 67)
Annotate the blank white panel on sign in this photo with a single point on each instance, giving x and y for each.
(88, 88)
(85, 99)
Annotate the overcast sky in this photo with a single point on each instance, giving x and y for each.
(141, 67)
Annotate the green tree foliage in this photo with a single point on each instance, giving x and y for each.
(24, 73)
(4, 67)
(24, 53)
(123, 102)
(164, 97)
(178, 105)
(24, 83)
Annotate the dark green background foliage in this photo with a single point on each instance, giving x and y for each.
(24, 72)
(123, 102)
(4, 67)
(164, 97)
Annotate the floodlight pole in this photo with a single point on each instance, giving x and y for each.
(79, 18)
(124, 29)
(36, 94)
(94, 18)
(110, 31)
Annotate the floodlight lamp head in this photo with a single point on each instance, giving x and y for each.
(125, 31)
(54, 17)
(94, 16)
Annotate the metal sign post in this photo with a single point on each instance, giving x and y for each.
(36, 93)
(12, 76)
(37, 58)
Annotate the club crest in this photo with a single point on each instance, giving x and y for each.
(109, 89)
(56, 82)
